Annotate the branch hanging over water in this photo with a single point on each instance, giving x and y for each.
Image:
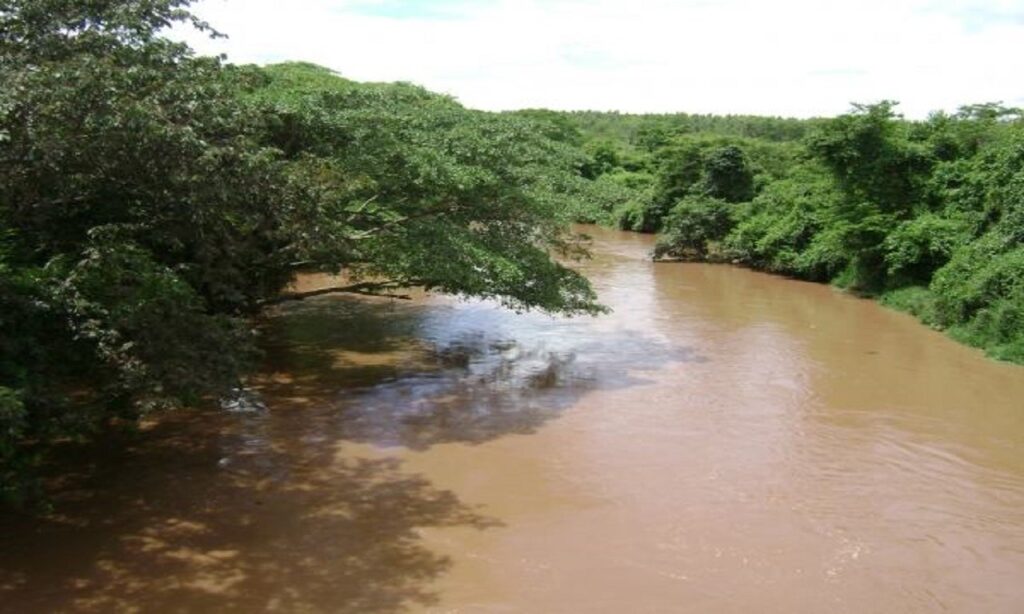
(378, 289)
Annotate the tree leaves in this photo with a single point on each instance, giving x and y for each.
(151, 202)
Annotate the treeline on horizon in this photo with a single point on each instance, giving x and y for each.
(927, 216)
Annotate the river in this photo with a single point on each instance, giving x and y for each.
(724, 441)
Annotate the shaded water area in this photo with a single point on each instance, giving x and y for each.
(725, 441)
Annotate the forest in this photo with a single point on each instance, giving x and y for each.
(153, 202)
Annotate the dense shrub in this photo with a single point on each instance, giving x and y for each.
(693, 226)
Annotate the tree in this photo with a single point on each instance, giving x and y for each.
(872, 157)
(727, 175)
(602, 158)
(412, 189)
(152, 201)
(692, 226)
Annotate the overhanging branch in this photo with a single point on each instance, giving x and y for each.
(378, 289)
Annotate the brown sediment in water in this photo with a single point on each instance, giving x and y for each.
(724, 441)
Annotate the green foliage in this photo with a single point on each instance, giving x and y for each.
(681, 167)
(661, 159)
(555, 125)
(602, 158)
(612, 199)
(145, 325)
(981, 273)
(727, 175)
(695, 166)
(693, 225)
(929, 216)
(938, 235)
(415, 189)
(979, 295)
(915, 300)
(916, 248)
(141, 218)
(651, 132)
(784, 229)
(152, 202)
(873, 158)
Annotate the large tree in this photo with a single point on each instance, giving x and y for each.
(152, 201)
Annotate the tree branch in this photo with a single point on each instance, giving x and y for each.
(363, 289)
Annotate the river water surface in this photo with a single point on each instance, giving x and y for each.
(725, 441)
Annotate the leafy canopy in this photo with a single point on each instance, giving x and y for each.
(152, 201)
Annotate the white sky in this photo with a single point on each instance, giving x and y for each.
(779, 57)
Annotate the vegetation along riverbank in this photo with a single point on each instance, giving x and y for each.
(927, 216)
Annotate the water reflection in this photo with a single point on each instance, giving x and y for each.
(417, 375)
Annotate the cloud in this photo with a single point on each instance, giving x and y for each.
(979, 15)
(786, 57)
(412, 9)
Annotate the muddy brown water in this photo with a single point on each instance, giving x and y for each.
(725, 441)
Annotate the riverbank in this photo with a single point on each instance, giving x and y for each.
(926, 215)
(918, 301)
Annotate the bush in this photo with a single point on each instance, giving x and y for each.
(693, 225)
(916, 300)
(977, 276)
(979, 296)
(779, 227)
(916, 248)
